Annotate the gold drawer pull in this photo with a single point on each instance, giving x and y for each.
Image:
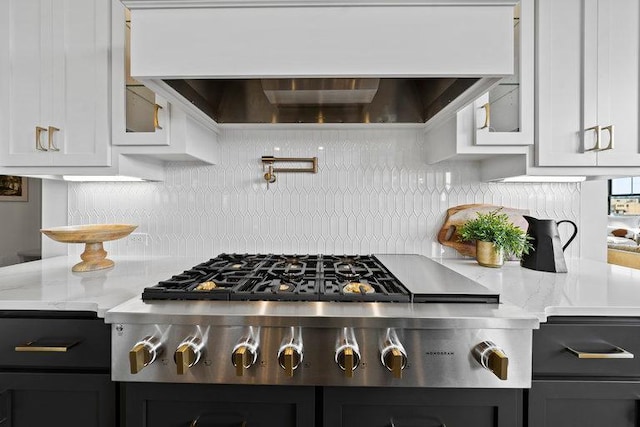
(611, 135)
(598, 131)
(39, 131)
(156, 116)
(52, 145)
(617, 353)
(487, 117)
(43, 347)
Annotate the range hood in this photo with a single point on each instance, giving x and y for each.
(321, 100)
(305, 61)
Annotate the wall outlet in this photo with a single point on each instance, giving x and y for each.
(138, 239)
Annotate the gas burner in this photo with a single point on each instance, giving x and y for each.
(348, 271)
(294, 259)
(348, 260)
(358, 288)
(206, 286)
(284, 287)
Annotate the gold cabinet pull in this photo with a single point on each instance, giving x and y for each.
(487, 116)
(39, 131)
(598, 131)
(616, 353)
(43, 347)
(611, 134)
(156, 118)
(52, 145)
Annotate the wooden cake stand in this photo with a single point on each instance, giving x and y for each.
(94, 256)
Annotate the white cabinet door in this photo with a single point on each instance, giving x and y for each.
(504, 116)
(139, 116)
(25, 88)
(54, 58)
(81, 43)
(619, 81)
(566, 77)
(588, 65)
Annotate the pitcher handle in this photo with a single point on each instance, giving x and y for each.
(573, 236)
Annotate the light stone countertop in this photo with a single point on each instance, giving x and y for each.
(50, 284)
(590, 288)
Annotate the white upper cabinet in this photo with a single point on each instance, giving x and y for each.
(144, 123)
(504, 115)
(54, 60)
(501, 121)
(588, 103)
(140, 117)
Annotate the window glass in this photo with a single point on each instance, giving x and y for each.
(622, 186)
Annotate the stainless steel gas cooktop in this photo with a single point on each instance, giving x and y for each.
(323, 320)
(356, 278)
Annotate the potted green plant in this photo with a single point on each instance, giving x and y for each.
(496, 238)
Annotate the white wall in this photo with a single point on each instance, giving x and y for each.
(373, 194)
(593, 219)
(54, 214)
(20, 225)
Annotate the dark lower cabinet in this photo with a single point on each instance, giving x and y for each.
(585, 373)
(415, 407)
(584, 403)
(56, 399)
(55, 370)
(199, 405)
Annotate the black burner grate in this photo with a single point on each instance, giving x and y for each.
(283, 278)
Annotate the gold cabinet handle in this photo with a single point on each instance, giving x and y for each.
(39, 131)
(611, 134)
(156, 118)
(598, 131)
(487, 117)
(41, 347)
(617, 353)
(52, 145)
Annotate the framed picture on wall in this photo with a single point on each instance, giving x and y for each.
(14, 188)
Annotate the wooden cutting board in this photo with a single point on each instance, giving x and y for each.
(458, 215)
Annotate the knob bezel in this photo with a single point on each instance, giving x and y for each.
(347, 349)
(193, 346)
(492, 358)
(149, 348)
(391, 349)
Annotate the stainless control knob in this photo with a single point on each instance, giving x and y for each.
(289, 358)
(245, 352)
(290, 354)
(492, 358)
(347, 354)
(143, 353)
(395, 360)
(392, 354)
(188, 354)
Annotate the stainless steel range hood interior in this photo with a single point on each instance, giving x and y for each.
(321, 100)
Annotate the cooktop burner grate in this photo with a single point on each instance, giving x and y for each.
(284, 278)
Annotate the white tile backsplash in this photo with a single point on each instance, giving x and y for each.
(373, 194)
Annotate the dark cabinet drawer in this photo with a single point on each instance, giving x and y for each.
(57, 399)
(606, 348)
(421, 407)
(213, 405)
(39, 343)
(584, 403)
